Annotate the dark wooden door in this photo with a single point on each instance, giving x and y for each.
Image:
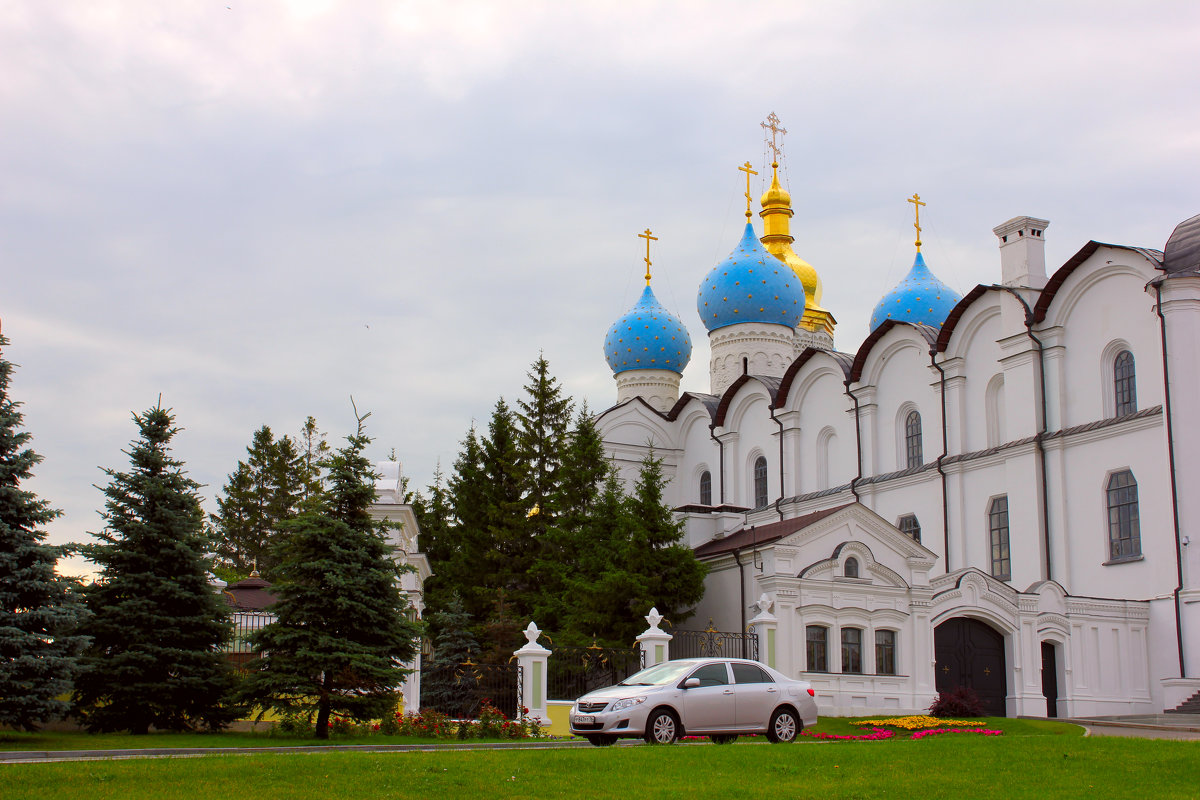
(971, 653)
(1050, 679)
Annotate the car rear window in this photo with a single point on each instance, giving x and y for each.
(748, 673)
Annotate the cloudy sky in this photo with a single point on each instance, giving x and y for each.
(259, 209)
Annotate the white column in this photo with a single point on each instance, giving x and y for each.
(533, 659)
(655, 642)
(765, 625)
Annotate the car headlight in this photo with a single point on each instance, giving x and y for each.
(626, 702)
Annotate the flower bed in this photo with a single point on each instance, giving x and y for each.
(877, 734)
(919, 722)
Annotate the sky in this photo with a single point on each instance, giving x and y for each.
(258, 210)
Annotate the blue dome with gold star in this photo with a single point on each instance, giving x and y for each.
(648, 337)
(919, 298)
(751, 285)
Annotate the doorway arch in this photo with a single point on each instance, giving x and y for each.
(970, 653)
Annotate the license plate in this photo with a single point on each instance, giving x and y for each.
(583, 719)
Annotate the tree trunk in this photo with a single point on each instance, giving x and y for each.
(323, 707)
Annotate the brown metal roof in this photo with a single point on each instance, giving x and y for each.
(860, 358)
(1182, 253)
(1062, 273)
(759, 535)
(249, 594)
(843, 360)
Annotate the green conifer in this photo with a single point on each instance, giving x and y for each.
(156, 624)
(38, 608)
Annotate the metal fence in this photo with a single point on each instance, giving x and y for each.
(575, 671)
(710, 643)
(468, 685)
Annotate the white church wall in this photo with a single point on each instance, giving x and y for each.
(898, 369)
(824, 455)
(698, 454)
(971, 361)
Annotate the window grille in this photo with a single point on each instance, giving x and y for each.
(852, 650)
(1124, 528)
(817, 637)
(706, 488)
(998, 528)
(760, 482)
(910, 527)
(1124, 384)
(912, 440)
(885, 652)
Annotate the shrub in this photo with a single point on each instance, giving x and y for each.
(467, 730)
(491, 721)
(294, 725)
(961, 701)
(343, 725)
(429, 724)
(390, 724)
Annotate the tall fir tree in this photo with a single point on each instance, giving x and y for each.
(156, 624)
(341, 634)
(508, 550)
(262, 492)
(543, 418)
(313, 450)
(454, 644)
(38, 608)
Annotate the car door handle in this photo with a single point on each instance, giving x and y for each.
(727, 691)
(772, 690)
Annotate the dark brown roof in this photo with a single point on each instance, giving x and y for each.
(762, 534)
(1062, 273)
(249, 594)
(843, 360)
(860, 358)
(955, 315)
(770, 383)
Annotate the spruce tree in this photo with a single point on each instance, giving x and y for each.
(262, 492)
(156, 625)
(508, 549)
(441, 687)
(543, 419)
(38, 609)
(341, 634)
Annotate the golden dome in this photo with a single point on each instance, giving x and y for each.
(776, 195)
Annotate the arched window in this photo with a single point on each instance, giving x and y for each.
(706, 488)
(998, 529)
(1124, 530)
(912, 440)
(910, 527)
(760, 482)
(850, 568)
(1124, 384)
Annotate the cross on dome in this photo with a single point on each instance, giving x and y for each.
(749, 171)
(917, 203)
(648, 237)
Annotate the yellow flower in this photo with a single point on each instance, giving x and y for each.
(919, 722)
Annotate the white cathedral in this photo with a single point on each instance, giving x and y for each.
(995, 491)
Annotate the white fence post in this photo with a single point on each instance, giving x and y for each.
(655, 642)
(764, 625)
(533, 660)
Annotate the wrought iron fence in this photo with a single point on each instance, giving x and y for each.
(710, 643)
(459, 692)
(575, 671)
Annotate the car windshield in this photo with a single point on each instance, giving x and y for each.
(660, 675)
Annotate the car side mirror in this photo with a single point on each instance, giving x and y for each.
(691, 683)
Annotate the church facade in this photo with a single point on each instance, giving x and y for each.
(995, 491)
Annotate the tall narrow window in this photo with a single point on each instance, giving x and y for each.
(760, 482)
(885, 652)
(706, 488)
(912, 440)
(1124, 384)
(817, 637)
(998, 527)
(1124, 530)
(910, 527)
(850, 568)
(852, 650)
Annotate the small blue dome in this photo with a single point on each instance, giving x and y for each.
(750, 286)
(648, 337)
(919, 298)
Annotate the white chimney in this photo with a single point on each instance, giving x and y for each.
(1022, 251)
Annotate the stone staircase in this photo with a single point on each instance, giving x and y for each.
(1189, 706)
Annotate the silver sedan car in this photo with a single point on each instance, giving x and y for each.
(715, 697)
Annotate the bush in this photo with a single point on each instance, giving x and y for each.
(429, 724)
(390, 724)
(343, 725)
(467, 730)
(961, 701)
(491, 721)
(294, 725)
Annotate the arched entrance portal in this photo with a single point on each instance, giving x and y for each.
(971, 653)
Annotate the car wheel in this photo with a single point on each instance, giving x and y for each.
(602, 739)
(784, 726)
(662, 728)
(724, 738)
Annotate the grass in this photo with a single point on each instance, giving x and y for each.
(124, 741)
(1029, 765)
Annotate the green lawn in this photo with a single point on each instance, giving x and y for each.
(1033, 759)
(124, 741)
(953, 767)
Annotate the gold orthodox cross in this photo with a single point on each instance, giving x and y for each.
(772, 125)
(648, 238)
(746, 169)
(916, 201)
